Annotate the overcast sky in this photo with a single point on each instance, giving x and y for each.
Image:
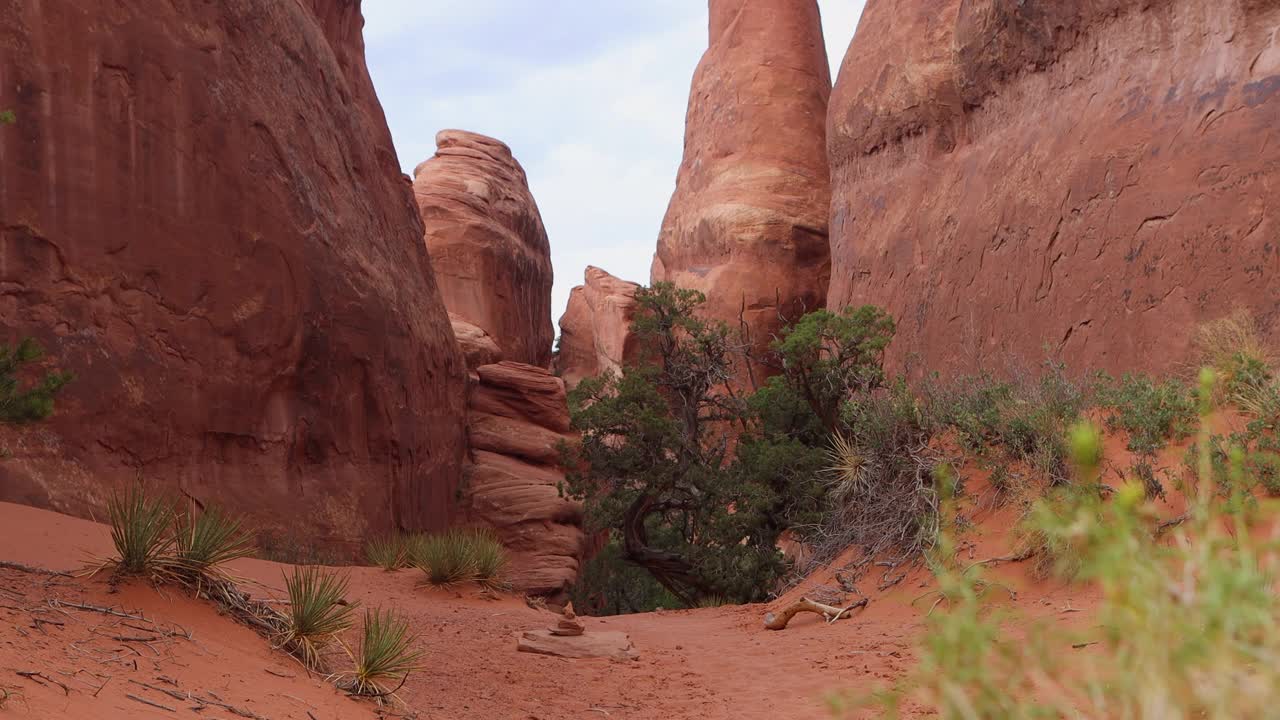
(589, 94)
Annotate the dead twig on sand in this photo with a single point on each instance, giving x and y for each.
(33, 570)
(56, 603)
(37, 676)
(192, 697)
(779, 620)
(145, 701)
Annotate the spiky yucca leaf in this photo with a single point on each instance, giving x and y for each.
(388, 552)
(386, 655)
(318, 613)
(210, 539)
(141, 531)
(488, 557)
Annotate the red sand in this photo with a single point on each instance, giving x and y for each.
(707, 664)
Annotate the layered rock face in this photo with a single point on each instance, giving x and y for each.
(1095, 177)
(202, 217)
(595, 330)
(747, 224)
(516, 420)
(487, 243)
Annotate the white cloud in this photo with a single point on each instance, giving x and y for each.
(595, 114)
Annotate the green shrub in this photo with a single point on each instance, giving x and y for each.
(385, 657)
(34, 402)
(1186, 629)
(1151, 413)
(142, 533)
(609, 585)
(318, 612)
(489, 558)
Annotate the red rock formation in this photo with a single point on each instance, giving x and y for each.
(747, 224)
(487, 243)
(1096, 176)
(595, 330)
(517, 420)
(202, 217)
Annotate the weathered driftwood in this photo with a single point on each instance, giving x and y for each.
(779, 620)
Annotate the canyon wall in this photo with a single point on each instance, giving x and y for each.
(487, 243)
(203, 218)
(1086, 179)
(747, 224)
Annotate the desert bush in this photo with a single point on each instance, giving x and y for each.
(389, 552)
(1186, 629)
(7, 117)
(385, 657)
(610, 585)
(1151, 413)
(207, 540)
(318, 612)
(141, 532)
(1234, 347)
(488, 558)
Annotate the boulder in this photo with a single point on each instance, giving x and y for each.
(1095, 178)
(202, 217)
(478, 347)
(611, 645)
(747, 224)
(595, 330)
(487, 243)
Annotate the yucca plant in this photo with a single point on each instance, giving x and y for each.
(386, 655)
(488, 557)
(142, 533)
(388, 552)
(318, 612)
(446, 558)
(208, 540)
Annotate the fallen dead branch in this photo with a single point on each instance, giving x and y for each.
(37, 676)
(34, 570)
(145, 701)
(56, 603)
(779, 620)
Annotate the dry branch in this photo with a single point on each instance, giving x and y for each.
(779, 620)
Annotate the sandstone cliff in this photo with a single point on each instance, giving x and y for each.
(202, 217)
(487, 243)
(747, 224)
(595, 330)
(1091, 177)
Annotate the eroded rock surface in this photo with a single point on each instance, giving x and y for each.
(595, 330)
(487, 243)
(747, 224)
(202, 216)
(517, 420)
(1095, 177)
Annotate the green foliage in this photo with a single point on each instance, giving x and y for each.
(1186, 628)
(7, 117)
(695, 484)
(20, 404)
(142, 533)
(610, 585)
(1026, 418)
(459, 555)
(385, 657)
(389, 552)
(318, 612)
(1151, 413)
(209, 539)
(829, 357)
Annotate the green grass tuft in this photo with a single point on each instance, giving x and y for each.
(318, 613)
